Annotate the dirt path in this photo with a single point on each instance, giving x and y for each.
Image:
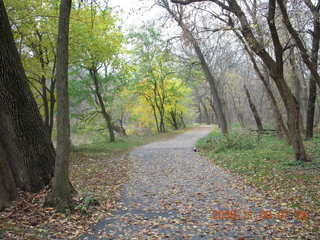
(173, 193)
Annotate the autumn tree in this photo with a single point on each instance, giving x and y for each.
(274, 64)
(179, 15)
(154, 69)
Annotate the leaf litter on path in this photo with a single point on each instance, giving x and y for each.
(173, 193)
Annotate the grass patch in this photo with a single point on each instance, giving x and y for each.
(268, 163)
(99, 144)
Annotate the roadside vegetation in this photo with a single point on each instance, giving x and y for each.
(266, 162)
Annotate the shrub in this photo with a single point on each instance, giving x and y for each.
(234, 141)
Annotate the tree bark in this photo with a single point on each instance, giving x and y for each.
(297, 84)
(311, 108)
(61, 194)
(8, 191)
(26, 151)
(105, 114)
(214, 91)
(312, 84)
(254, 110)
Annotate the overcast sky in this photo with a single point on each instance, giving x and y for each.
(136, 12)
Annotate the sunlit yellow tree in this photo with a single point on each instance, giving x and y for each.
(157, 84)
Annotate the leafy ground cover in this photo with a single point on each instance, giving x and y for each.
(98, 170)
(266, 162)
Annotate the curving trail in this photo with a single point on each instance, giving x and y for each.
(174, 193)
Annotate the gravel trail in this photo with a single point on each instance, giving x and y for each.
(174, 193)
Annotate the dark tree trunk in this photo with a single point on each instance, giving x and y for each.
(297, 85)
(312, 84)
(159, 100)
(52, 106)
(8, 185)
(161, 124)
(174, 119)
(155, 117)
(103, 109)
(311, 108)
(61, 194)
(254, 110)
(27, 153)
(214, 91)
(45, 103)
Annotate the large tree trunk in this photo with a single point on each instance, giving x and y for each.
(8, 185)
(254, 110)
(61, 194)
(294, 126)
(27, 153)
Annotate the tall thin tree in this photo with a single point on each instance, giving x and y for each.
(60, 197)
